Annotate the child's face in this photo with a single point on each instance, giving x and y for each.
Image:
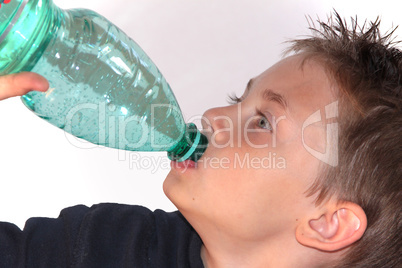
(252, 179)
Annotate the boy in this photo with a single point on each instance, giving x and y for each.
(333, 201)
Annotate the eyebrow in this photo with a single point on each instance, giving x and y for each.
(270, 95)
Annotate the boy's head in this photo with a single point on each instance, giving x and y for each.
(368, 72)
(306, 162)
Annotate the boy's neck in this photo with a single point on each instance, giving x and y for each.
(221, 251)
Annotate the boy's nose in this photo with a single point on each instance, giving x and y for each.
(217, 123)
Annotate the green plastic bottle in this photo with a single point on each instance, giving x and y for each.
(103, 87)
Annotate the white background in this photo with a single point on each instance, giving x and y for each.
(206, 49)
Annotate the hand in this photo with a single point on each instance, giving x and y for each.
(21, 83)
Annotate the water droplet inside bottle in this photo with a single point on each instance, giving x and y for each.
(111, 106)
(79, 117)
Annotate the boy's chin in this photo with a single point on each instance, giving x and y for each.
(171, 186)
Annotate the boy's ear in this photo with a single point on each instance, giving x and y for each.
(335, 227)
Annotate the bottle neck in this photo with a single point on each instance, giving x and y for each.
(27, 35)
(191, 147)
(9, 16)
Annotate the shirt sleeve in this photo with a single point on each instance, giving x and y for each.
(106, 235)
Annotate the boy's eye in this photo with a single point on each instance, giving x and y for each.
(264, 123)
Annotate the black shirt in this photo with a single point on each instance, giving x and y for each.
(105, 235)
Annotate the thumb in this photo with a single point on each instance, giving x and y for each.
(21, 83)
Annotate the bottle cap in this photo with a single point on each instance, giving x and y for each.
(191, 147)
(10, 11)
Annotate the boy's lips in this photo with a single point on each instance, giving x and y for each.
(186, 164)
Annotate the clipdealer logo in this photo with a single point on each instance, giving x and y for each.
(330, 155)
(113, 132)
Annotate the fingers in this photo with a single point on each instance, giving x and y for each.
(19, 84)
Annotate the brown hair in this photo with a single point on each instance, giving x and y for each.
(367, 68)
